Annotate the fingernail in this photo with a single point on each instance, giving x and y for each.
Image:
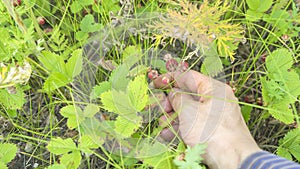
(165, 80)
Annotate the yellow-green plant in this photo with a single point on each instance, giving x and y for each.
(201, 26)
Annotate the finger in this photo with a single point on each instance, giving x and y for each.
(164, 81)
(168, 119)
(166, 105)
(190, 81)
(179, 99)
(168, 134)
(192, 115)
(160, 102)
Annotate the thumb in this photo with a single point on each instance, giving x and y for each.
(180, 99)
(189, 115)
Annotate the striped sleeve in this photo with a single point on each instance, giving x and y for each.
(266, 160)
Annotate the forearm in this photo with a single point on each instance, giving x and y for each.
(266, 160)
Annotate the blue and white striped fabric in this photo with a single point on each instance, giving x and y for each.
(266, 160)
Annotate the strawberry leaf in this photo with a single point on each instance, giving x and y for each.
(90, 110)
(52, 62)
(55, 81)
(74, 64)
(281, 87)
(71, 160)
(289, 145)
(87, 143)
(137, 91)
(7, 153)
(74, 114)
(125, 126)
(99, 89)
(192, 157)
(59, 146)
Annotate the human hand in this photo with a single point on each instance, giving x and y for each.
(208, 112)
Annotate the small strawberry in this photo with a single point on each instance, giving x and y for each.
(259, 101)
(171, 65)
(85, 12)
(249, 99)
(184, 66)
(263, 57)
(41, 20)
(285, 37)
(17, 2)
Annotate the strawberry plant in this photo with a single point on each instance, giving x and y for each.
(289, 145)
(191, 157)
(281, 88)
(7, 153)
(75, 77)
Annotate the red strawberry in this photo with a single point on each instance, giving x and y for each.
(17, 2)
(41, 20)
(263, 57)
(171, 65)
(184, 65)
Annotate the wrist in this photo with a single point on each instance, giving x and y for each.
(230, 153)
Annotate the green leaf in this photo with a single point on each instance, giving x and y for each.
(125, 126)
(138, 70)
(88, 24)
(138, 92)
(118, 77)
(90, 110)
(12, 101)
(74, 114)
(282, 86)
(87, 143)
(279, 19)
(117, 102)
(55, 81)
(2, 165)
(71, 160)
(95, 130)
(246, 112)
(282, 111)
(192, 157)
(74, 64)
(52, 62)
(7, 152)
(81, 36)
(149, 148)
(78, 5)
(154, 154)
(211, 66)
(253, 16)
(99, 89)
(253, 4)
(283, 152)
(279, 61)
(44, 8)
(289, 145)
(59, 146)
(112, 5)
(57, 166)
(259, 5)
(131, 51)
(159, 64)
(108, 101)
